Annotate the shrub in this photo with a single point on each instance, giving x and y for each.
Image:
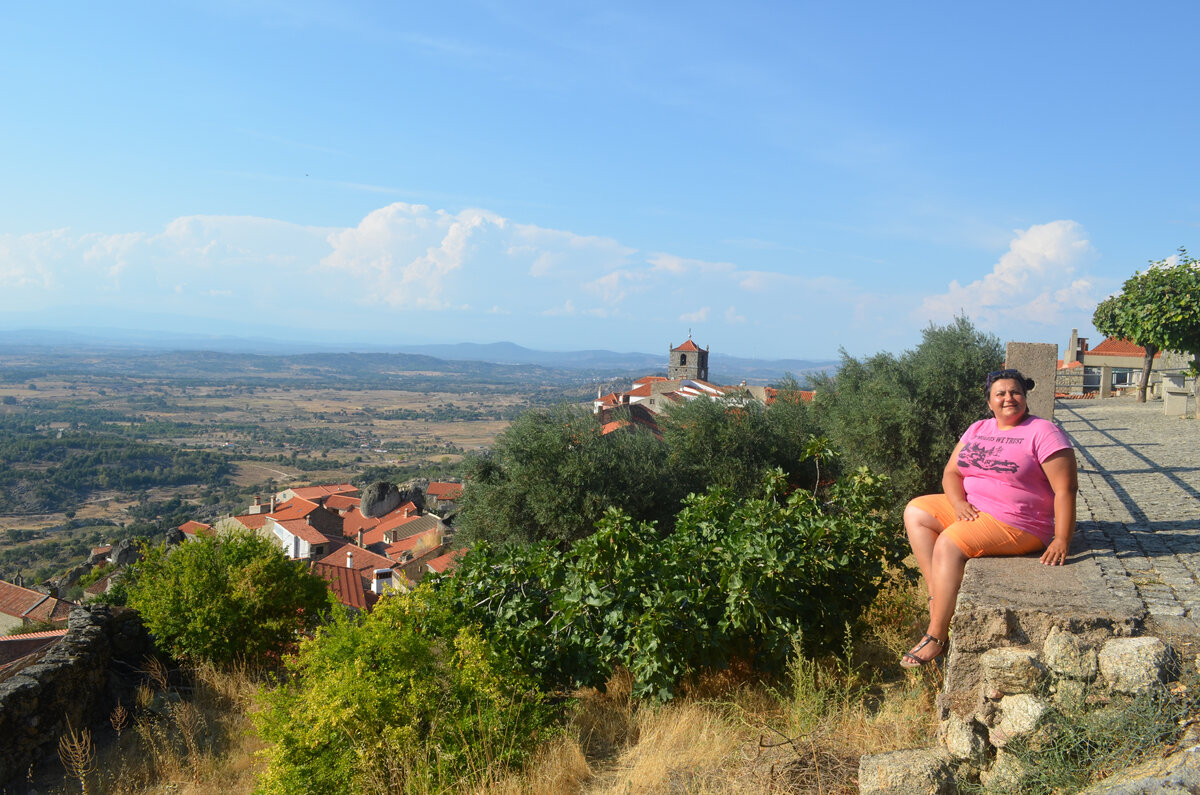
(217, 599)
(734, 579)
(399, 700)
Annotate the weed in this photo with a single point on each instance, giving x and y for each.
(1086, 738)
(77, 755)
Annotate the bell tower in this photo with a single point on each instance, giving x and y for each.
(689, 360)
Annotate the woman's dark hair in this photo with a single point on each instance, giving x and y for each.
(1001, 375)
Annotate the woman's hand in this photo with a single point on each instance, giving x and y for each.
(1056, 553)
(964, 511)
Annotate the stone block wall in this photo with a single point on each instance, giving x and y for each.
(79, 679)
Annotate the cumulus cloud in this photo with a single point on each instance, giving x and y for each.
(406, 269)
(1034, 282)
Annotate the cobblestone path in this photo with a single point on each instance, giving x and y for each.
(1139, 500)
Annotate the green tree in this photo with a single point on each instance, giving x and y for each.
(553, 473)
(1158, 309)
(404, 699)
(731, 443)
(901, 416)
(217, 599)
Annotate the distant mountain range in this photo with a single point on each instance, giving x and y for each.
(723, 368)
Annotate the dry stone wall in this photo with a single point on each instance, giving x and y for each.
(79, 679)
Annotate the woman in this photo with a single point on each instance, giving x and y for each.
(1009, 490)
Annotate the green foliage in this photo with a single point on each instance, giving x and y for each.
(1158, 308)
(901, 416)
(217, 599)
(736, 578)
(552, 474)
(729, 444)
(400, 700)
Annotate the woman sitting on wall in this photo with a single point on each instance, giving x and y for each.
(1009, 489)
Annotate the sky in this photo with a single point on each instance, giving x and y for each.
(779, 180)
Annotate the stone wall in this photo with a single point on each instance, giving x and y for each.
(81, 678)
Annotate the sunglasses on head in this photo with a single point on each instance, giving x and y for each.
(997, 375)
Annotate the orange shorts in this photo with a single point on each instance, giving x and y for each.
(984, 535)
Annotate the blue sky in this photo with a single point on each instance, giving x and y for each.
(783, 179)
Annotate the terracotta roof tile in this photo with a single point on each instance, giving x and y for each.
(21, 602)
(649, 379)
(306, 532)
(1115, 347)
(688, 346)
(346, 584)
(445, 491)
(194, 528)
(446, 562)
(364, 560)
(295, 508)
(251, 521)
(341, 502)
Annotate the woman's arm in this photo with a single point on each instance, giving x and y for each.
(1063, 474)
(952, 485)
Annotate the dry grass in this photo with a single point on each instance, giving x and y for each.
(191, 740)
(733, 734)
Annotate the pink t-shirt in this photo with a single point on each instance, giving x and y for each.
(1002, 472)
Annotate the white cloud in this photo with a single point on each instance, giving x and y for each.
(1034, 282)
(731, 316)
(699, 316)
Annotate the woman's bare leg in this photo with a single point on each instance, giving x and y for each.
(942, 564)
(949, 562)
(923, 531)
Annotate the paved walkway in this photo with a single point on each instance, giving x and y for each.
(1139, 506)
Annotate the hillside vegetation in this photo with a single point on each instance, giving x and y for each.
(739, 635)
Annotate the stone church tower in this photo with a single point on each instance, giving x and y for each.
(688, 361)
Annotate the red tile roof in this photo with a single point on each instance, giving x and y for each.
(639, 391)
(609, 427)
(365, 561)
(104, 550)
(194, 528)
(33, 605)
(252, 521)
(295, 508)
(1114, 347)
(444, 491)
(99, 586)
(446, 562)
(341, 502)
(346, 584)
(16, 647)
(306, 532)
(688, 346)
(649, 379)
(416, 544)
(354, 521)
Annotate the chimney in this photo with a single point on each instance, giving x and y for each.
(381, 581)
(349, 558)
(360, 536)
(272, 503)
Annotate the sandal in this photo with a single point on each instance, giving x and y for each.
(910, 659)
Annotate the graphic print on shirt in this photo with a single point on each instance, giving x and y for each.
(977, 455)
